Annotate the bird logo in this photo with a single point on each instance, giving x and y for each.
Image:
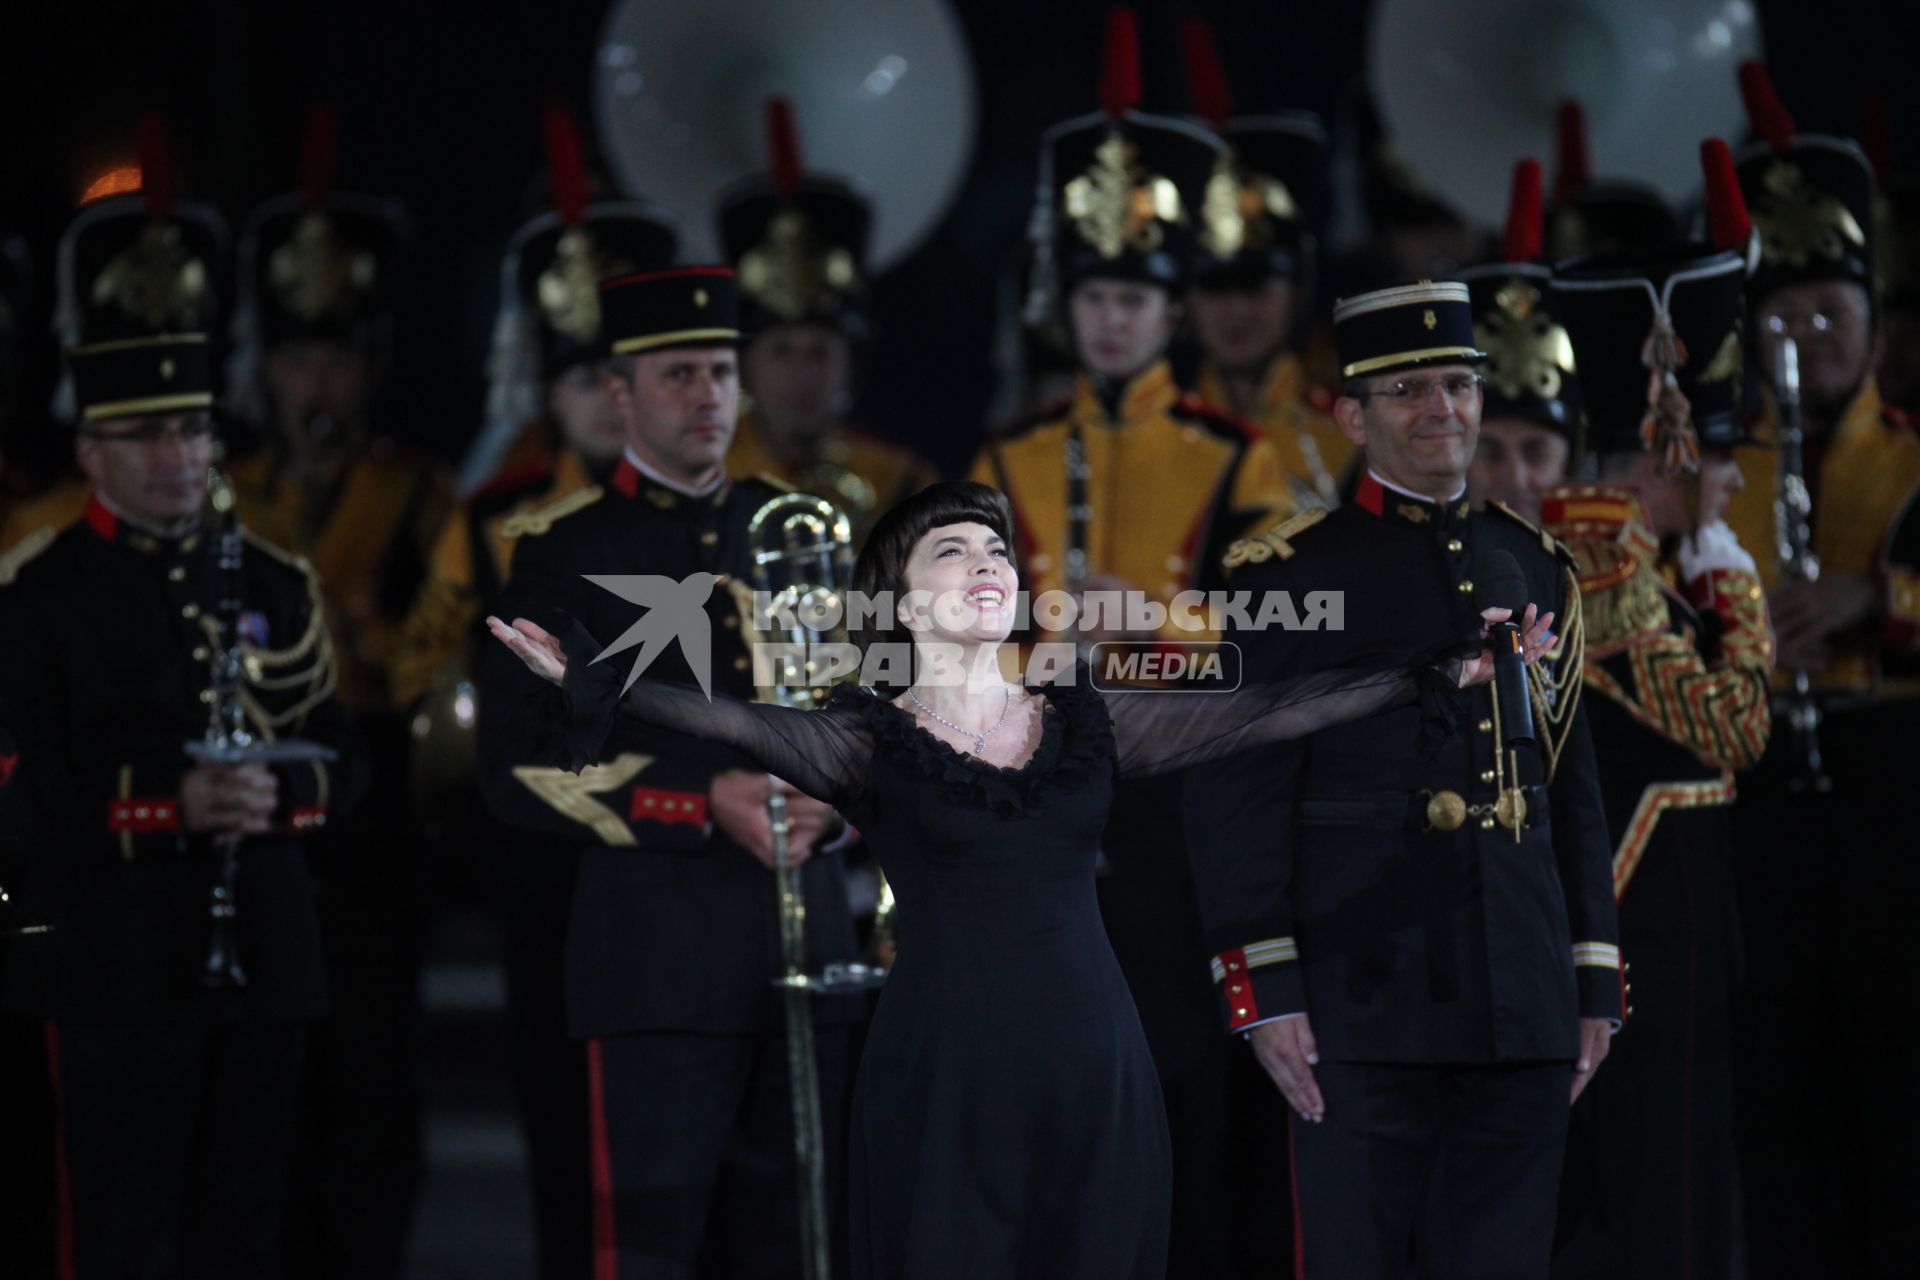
(675, 610)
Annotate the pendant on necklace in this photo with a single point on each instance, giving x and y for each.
(979, 746)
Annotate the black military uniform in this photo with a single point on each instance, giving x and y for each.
(548, 327)
(1373, 878)
(1677, 694)
(672, 941)
(176, 1100)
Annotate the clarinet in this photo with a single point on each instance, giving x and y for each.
(227, 732)
(1079, 516)
(227, 739)
(1792, 516)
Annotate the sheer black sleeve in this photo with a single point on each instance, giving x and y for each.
(825, 753)
(1165, 730)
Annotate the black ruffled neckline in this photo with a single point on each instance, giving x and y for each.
(1076, 743)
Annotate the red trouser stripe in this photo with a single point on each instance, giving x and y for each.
(63, 1180)
(606, 1259)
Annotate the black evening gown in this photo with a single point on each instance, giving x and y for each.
(1007, 1121)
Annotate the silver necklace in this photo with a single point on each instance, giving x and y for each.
(979, 739)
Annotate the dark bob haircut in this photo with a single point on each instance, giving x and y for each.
(881, 569)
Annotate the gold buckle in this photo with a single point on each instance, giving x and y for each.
(1511, 809)
(1445, 810)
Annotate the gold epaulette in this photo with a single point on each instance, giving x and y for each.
(1548, 543)
(24, 550)
(1272, 542)
(772, 481)
(531, 524)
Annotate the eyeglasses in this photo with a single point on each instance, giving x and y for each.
(152, 431)
(1458, 388)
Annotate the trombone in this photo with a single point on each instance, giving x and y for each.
(802, 549)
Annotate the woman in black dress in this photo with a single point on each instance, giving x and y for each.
(1008, 1122)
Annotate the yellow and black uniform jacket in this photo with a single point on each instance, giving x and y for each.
(858, 473)
(1298, 419)
(1170, 483)
(1865, 486)
(368, 539)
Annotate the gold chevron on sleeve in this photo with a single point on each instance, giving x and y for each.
(572, 794)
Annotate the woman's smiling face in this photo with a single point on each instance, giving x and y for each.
(959, 585)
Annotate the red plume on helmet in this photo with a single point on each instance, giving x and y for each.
(783, 147)
(1120, 68)
(1573, 168)
(1524, 238)
(319, 153)
(1766, 117)
(157, 183)
(1728, 225)
(566, 164)
(1876, 134)
(1207, 90)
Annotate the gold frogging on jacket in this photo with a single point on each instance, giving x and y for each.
(1115, 207)
(316, 274)
(1799, 222)
(154, 281)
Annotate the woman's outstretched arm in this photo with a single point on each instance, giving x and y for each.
(824, 753)
(1165, 730)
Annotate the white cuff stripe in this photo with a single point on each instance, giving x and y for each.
(1597, 955)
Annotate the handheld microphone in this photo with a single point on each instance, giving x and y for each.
(1499, 584)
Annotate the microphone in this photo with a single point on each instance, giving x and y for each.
(1499, 584)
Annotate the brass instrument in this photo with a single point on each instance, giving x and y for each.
(802, 550)
(1792, 519)
(228, 739)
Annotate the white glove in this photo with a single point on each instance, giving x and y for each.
(1712, 547)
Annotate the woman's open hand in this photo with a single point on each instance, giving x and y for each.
(536, 647)
(1535, 639)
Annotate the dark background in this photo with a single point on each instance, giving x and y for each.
(437, 104)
